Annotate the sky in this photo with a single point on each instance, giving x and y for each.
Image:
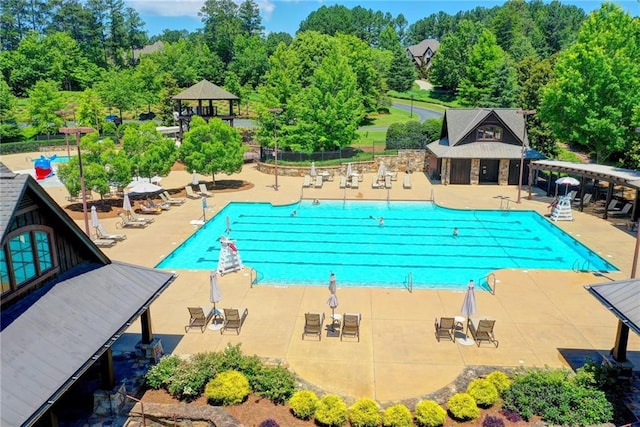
(286, 15)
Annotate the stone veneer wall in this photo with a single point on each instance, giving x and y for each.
(474, 179)
(415, 160)
(503, 172)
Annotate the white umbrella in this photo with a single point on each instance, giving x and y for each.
(313, 172)
(95, 222)
(349, 171)
(194, 178)
(468, 307)
(333, 299)
(154, 180)
(144, 188)
(567, 181)
(215, 295)
(126, 203)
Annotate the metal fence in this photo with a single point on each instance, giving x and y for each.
(266, 154)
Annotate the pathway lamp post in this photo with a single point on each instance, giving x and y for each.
(275, 112)
(524, 113)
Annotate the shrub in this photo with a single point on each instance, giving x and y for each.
(483, 391)
(512, 416)
(188, 382)
(500, 381)
(269, 423)
(429, 414)
(275, 383)
(491, 421)
(462, 406)
(232, 359)
(397, 416)
(303, 404)
(553, 395)
(331, 411)
(364, 413)
(228, 388)
(159, 376)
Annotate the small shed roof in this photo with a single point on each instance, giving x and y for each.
(52, 336)
(626, 177)
(205, 90)
(622, 298)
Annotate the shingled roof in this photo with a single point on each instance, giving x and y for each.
(622, 298)
(420, 48)
(205, 90)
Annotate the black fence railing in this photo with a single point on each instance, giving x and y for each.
(266, 154)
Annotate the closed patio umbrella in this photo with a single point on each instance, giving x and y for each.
(194, 178)
(382, 170)
(333, 299)
(126, 203)
(313, 172)
(349, 171)
(468, 309)
(95, 222)
(215, 295)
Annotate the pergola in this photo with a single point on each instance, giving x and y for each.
(204, 92)
(614, 176)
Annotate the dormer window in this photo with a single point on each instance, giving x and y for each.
(489, 133)
(26, 257)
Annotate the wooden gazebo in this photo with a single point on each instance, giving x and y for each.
(204, 93)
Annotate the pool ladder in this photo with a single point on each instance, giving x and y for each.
(577, 268)
(409, 282)
(255, 276)
(491, 282)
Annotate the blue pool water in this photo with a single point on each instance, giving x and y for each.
(58, 159)
(416, 238)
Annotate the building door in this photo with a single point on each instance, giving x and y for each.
(489, 171)
(460, 171)
(514, 172)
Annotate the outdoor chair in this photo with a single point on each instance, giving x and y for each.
(163, 206)
(313, 324)
(483, 331)
(585, 200)
(445, 328)
(233, 319)
(127, 222)
(611, 207)
(351, 325)
(104, 243)
(176, 201)
(387, 181)
(143, 208)
(190, 193)
(343, 182)
(406, 181)
(307, 181)
(101, 233)
(375, 183)
(626, 210)
(318, 182)
(204, 192)
(354, 181)
(198, 319)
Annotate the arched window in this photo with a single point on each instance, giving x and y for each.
(489, 133)
(26, 257)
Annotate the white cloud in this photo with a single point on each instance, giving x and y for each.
(167, 7)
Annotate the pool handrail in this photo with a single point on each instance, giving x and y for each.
(492, 287)
(409, 282)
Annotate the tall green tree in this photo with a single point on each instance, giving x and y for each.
(136, 37)
(119, 89)
(150, 80)
(44, 101)
(250, 19)
(221, 26)
(211, 148)
(250, 61)
(592, 98)
(9, 130)
(402, 72)
(149, 152)
(485, 58)
(503, 89)
(89, 110)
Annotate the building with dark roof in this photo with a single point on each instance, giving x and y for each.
(481, 146)
(63, 304)
(422, 53)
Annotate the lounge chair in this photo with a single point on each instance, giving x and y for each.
(351, 325)
(406, 181)
(313, 324)
(143, 208)
(190, 193)
(343, 182)
(318, 182)
(175, 201)
(387, 181)
(354, 181)
(163, 206)
(132, 217)
(101, 233)
(445, 328)
(197, 318)
(612, 206)
(586, 199)
(626, 210)
(104, 243)
(204, 192)
(128, 223)
(376, 184)
(233, 319)
(307, 181)
(482, 330)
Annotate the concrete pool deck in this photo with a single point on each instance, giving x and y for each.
(538, 313)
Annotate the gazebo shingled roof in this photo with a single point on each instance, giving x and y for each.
(205, 90)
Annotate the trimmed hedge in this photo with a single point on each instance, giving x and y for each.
(484, 392)
(227, 388)
(303, 404)
(397, 416)
(429, 414)
(364, 413)
(331, 411)
(500, 381)
(463, 407)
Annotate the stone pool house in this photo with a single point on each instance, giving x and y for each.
(63, 304)
(481, 146)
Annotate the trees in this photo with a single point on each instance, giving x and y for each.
(402, 72)
(149, 152)
(592, 98)
(44, 101)
(212, 147)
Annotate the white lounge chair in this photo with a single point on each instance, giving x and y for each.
(204, 192)
(612, 206)
(585, 200)
(101, 233)
(176, 201)
(354, 181)
(104, 243)
(626, 209)
(318, 182)
(190, 193)
(406, 182)
(307, 181)
(343, 182)
(387, 181)
(375, 183)
(128, 223)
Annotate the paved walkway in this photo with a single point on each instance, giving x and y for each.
(538, 314)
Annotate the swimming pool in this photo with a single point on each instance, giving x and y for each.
(416, 239)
